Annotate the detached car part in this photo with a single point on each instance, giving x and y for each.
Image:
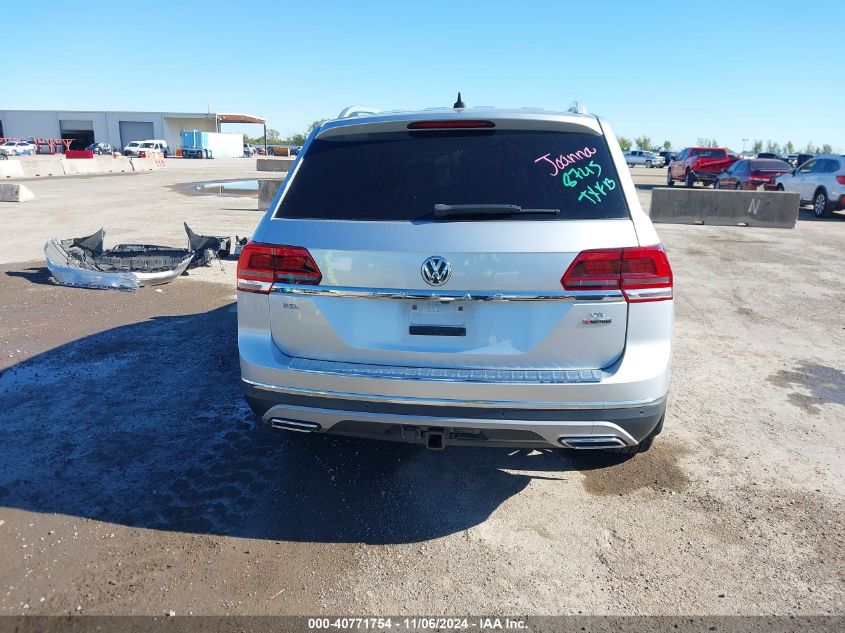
(84, 262)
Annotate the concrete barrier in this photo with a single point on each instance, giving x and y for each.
(11, 192)
(75, 166)
(274, 164)
(11, 169)
(59, 166)
(677, 205)
(145, 164)
(113, 165)
(43, 167)
(267, 189)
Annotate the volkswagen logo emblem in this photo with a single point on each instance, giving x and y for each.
(436, 271)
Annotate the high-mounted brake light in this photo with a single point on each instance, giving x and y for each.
(451, 124)
(641, 273)
(261, 265)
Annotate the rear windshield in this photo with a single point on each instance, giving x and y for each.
(402, 175)
(710, 153)
(770, 164)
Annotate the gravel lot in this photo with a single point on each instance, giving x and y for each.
(134, 480)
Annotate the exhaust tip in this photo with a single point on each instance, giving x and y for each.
(592, 441)
(299, 426)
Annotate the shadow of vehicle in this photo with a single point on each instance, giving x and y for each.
(144, 425)
(805, 214)
(34, 274)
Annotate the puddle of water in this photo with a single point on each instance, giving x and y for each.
(224, 188)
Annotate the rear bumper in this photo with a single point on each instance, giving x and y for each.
(460, 422)
(706, 177)
(505, 407)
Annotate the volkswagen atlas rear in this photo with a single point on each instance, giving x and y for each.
(459, 276)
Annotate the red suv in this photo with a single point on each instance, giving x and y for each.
(698, 164)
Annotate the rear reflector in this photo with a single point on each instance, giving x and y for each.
(452, 124)
(261, 265)
(840, 180)
(641, 273)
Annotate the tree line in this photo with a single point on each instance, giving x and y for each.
(275, 138)
(645, 143)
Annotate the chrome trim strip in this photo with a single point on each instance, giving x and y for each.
(502, 404)
(650, 294)
(390, 372)
(447, 295)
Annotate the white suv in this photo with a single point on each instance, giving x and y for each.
(459, 276)
(821, 180)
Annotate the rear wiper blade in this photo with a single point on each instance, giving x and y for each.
(448, 210)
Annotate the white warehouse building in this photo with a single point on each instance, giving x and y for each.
(115, 128)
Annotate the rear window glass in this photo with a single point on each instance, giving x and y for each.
(770, 163)
(710, 153)
(401, 176)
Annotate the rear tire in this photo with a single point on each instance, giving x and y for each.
(716, 185)
(821, 205)
(669, 181)
(780, 188)
(648, 164)
(738, 186)
(689, 181)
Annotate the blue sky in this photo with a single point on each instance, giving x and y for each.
(670, 70)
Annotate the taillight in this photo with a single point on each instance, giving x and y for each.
(261, 265)
(641, 273)
(840, 180)
(761, 177)
(451, 124)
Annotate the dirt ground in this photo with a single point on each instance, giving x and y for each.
(133, 479)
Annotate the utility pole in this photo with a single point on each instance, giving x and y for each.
(744, 141)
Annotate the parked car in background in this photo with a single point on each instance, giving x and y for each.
(100, 148)
(156, 145)
(249, 150)
(131, 148)
(526, 313)
(668, 156)
(771, 155)
(152, 145)
(698, 164)
(802, 158)
(260, 151)
(294, 150)
(642, 157)
(752, 174)
(792, 159)
(820, 181)
(17, 148)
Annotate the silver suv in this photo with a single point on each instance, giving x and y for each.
(640, 157)
(459, 276)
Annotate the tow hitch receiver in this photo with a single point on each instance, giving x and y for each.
(435, 439)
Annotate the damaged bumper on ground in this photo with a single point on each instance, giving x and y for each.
(84, 262)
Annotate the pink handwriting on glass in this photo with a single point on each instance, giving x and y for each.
(563, 161)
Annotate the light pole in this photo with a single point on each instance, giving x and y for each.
(744, 141)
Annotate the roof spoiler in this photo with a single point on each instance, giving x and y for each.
(577, 107)
(353, 111)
